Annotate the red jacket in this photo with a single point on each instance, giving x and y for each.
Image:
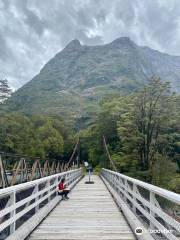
(61, 186)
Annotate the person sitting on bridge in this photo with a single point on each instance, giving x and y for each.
(63, 190)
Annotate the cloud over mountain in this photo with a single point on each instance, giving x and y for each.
(32, 31)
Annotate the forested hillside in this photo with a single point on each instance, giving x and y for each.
(143, 134)
(35, 136)
(73, 82)
(101, 91)
(142, 131)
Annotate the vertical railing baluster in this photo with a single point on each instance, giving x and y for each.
(152, 214)
(12, 202)
(125, 187)
(36, 190)
(56, 181)
(134, 198)
(47, 186)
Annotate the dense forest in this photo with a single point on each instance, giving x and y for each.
(33, 135)
(143, 134)
(142, 131)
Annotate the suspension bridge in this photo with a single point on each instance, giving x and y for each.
(114, 207)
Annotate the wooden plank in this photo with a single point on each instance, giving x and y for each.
(89, 214)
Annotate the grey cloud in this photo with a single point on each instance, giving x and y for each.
(125, 11)
(3, 48)
(159, 24)
(34, 22)
(33, 31)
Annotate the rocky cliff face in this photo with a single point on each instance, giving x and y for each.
(72, 83)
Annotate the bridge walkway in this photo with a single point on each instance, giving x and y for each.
(90, 213)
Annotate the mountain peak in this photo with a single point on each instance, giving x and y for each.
(74, 44)
(123, 41)
(75, 80)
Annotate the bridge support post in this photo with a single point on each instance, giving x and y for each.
(134, 198)
(153, 202)
(36, 189)
(57, 182)
(126, 187)
(3, 176)
(47, 186)
(12, 202)
(78, 156)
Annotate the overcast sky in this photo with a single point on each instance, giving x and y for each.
(33, 31)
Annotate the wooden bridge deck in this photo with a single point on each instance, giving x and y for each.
(90, 213)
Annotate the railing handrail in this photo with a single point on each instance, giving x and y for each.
(38, 194)
(31, 183)
(172, 196)
(142, 202)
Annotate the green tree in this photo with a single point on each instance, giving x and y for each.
(51, 139)
(5, 90)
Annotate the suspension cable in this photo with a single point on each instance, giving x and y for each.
(74, 151)
(108, 154)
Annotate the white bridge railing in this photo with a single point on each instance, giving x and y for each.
(155, 208)
(23, 206)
